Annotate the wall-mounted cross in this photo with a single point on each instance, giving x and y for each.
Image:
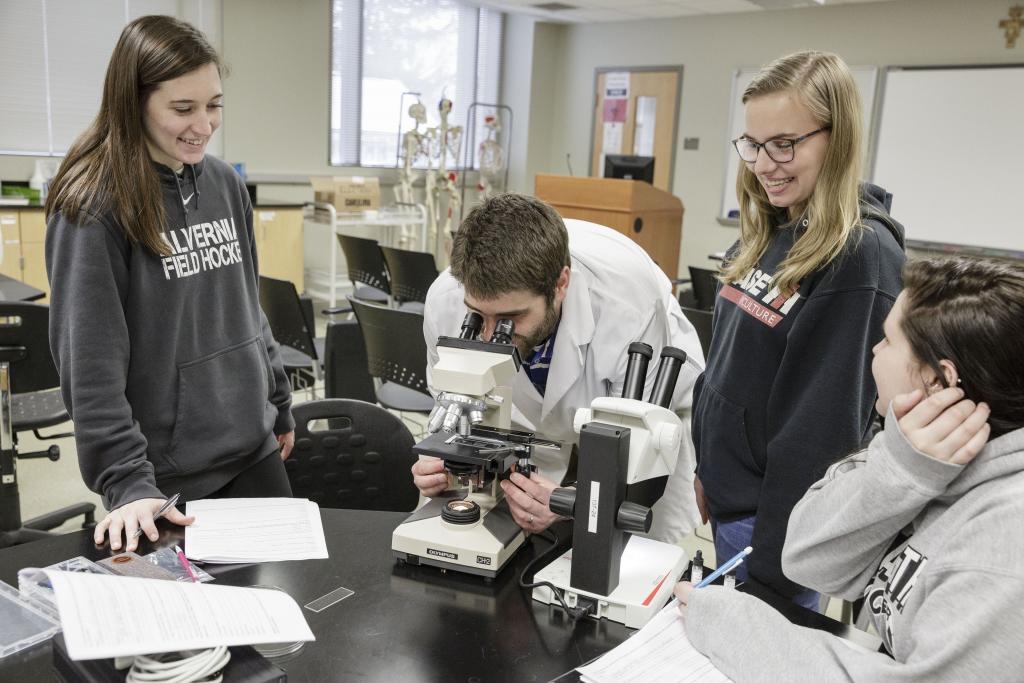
(1013, 25)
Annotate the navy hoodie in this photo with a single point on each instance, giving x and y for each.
(788, 388)
(167, 364)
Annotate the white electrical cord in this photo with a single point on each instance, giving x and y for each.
(204, 665)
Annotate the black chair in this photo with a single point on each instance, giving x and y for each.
(345, 367)
(686, 298)
(396, 356)
(705, 287)
(365, 265)
(362, 461)
(36, 403)
(701, 321)
(411, 274)
(291, 323)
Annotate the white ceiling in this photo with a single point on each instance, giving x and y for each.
(587, 11)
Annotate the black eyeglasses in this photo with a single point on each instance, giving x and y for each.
(779, 150)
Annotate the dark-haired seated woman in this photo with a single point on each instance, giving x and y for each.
(926, 524)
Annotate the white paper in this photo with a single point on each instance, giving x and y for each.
(611, 142)
(119, 616)
(254, 530)
(660, 652)
(616, 85)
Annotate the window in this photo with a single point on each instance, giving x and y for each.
(54, 55)
(381, 49)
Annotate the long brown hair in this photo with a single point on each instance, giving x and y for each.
(108, 168)
(823, 83)
(971, 313)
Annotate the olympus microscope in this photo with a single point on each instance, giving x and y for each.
(469, 528)
(608, 572)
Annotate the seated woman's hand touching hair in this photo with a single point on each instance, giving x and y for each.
(944, 426)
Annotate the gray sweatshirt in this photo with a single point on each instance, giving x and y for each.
(167, 365)
(935, 549)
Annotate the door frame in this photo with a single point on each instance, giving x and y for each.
(678, 69)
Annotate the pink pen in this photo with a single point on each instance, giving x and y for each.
(186, 564)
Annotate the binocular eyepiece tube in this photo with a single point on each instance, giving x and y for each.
(503, 332)
(672, 360)
(471, 325)
(640, 355)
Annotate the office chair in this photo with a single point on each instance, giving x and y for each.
(345, 366)
(701, 321)
(396, 356)
(705, 287)
(411, 273)
(292, 326)
(366, 265)
(30, 385)
(362, 461)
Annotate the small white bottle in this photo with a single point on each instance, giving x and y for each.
(697, 568)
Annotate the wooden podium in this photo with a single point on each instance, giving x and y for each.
(650, 217)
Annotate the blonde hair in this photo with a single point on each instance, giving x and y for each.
(822, 82)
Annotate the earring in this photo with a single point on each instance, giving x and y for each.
(959, 381)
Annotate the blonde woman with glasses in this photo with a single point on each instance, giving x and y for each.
(803, 295)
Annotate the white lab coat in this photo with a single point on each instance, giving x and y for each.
(617, 295)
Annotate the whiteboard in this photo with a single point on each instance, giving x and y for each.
(866, 78)
(951, 152)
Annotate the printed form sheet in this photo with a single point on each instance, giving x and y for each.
(254, 530)
(118, 616)
(660, 652)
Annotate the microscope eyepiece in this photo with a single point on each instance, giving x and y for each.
(636, 370)
(471, 325)
(672, 360)
(503, 332)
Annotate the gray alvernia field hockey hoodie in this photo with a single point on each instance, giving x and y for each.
(167, 364)
(936, 550)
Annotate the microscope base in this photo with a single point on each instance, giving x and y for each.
(647, 575)
(481, 548)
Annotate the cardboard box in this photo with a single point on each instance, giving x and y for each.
(349, 194)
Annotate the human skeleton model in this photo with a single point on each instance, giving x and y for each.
(491, 158)
(414, 148)
(448, 140)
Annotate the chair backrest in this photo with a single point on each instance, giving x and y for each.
(365, 262)
(705, 286)
(345, 366)
(395, 349)
(362, 461)
(280, 302)
(411, 273)
(24, 336)
(701, 321)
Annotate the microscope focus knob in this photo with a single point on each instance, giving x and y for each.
(582, 417)
(563, 502)
(668, 437)
(633, 517)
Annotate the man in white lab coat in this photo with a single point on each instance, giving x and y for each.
(579, 294)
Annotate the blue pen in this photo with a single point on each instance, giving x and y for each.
(734, 562)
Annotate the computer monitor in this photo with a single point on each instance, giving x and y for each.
(629, 167)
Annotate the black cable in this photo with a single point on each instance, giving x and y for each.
(575, 613)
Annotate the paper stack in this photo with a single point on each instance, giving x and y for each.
(254, 530)
(660, 652)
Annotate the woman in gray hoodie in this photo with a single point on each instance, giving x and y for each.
(167, 365)
(925, 524)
